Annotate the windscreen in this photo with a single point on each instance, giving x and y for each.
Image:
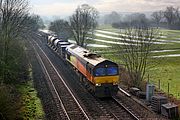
(106, 71)
(100, 72)
(112, 71)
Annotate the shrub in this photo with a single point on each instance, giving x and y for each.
(8, 103)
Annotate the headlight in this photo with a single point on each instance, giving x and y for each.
(98, 84)
(115, 83)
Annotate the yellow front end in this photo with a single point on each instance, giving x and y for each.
(106, 80)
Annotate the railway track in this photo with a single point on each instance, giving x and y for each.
(127, 109)
(41, 85)
(109, 109)
(67, 104)
(93, 108)
(117, 110)
(136, 107)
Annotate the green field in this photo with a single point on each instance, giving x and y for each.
(168, 68)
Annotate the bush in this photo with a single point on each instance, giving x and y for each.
(8, 103)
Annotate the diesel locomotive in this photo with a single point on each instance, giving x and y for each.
(99, 75)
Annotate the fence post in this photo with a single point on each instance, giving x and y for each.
(159, 82)
(168, 89)
(148, 78)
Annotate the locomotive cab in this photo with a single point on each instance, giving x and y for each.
(106, 77)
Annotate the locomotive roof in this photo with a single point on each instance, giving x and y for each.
(85, 54)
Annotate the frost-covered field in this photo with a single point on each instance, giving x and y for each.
(105, 38)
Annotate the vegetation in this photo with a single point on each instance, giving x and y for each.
(172, 16)
(157, 16)
(81, 24)
(16, 26)
(111, 18)
(168, 18)
(12, 23)
(8, 103)
(61, 28)
(20, 102)
(165, 70)
(132, 20)
(31, 107)
(135, 52)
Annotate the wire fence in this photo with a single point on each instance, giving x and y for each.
(169, 88)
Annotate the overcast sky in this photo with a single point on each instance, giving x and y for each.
(65, 8)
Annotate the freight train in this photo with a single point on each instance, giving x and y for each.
(99, 75)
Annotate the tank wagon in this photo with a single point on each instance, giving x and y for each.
(99, 75)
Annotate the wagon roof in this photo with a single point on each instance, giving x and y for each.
(63, 42)
(64, 46)
(57, 41)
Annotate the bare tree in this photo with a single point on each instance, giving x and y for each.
(61, 28)
(177, 16)
(172, 16)
(14, 25)
(135, 53)
(157, 16)
(83, 22)
(34, 22)
(169, 15)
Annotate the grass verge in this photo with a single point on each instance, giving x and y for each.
(31, 105)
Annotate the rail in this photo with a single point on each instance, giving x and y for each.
(129, 111)
(59, 98)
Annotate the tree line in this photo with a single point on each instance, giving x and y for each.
(168, 18)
